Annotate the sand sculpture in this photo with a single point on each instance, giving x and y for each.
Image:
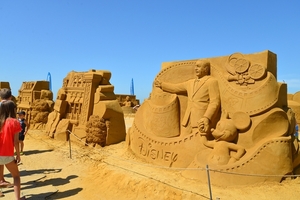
(86, 105)
(294, 103)
(7, 85)
(128, 103)
(96, 131)
(229, 113)
(36, 99)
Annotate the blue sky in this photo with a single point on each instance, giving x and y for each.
(131, 38)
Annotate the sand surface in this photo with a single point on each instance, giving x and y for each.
(51, 171)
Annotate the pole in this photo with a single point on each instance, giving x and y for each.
(70, 145)
(208, 181)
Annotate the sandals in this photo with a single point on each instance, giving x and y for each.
(6, 184)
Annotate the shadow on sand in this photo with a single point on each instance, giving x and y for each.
(33, 172)
(36, 151)
(40, 183)
(57, 195)
(61, 195)
(53, 182)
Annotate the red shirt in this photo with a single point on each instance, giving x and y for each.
(10, 127)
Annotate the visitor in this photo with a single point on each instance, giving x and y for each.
(9, 140)
(5, 94)
(25, 126)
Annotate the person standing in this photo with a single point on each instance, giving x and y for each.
(25, 126)
(5, 94)
(203, 98)
(9, 140)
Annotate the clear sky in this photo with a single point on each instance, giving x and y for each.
(131, 38)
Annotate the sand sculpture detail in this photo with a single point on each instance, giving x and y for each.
(35, 98)
(84, 97)
(96, 131)
(128, 105)
(235, 118)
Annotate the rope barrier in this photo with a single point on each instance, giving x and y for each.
(152, 178)
(174, 168)
(177, 168)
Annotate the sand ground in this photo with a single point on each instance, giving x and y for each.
(51, 171)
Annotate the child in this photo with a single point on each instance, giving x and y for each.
(9, 140)
(24, 126)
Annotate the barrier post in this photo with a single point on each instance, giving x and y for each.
(208, 181)
(70, 144)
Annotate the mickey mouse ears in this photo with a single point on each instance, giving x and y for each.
(241, 120)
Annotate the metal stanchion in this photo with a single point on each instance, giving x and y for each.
(208, 181)
(70, 144)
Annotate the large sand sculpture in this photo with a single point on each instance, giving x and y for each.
(233, 118)
(87, 106)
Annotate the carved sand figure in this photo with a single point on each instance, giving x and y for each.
(225, 150)
(128, 102)
(246, 83)
(203, 97)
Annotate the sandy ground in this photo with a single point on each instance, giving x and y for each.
(113, 173)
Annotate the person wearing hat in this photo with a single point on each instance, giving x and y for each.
(24, 125)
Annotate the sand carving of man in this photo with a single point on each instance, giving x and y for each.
(128, 102)
(203, 98)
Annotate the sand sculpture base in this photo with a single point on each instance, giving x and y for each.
(252, 169)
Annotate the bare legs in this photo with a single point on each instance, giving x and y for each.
(2, 174)
(13, 169)
(3, 182)
(21, 145)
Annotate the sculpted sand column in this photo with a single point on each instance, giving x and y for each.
(89, 91)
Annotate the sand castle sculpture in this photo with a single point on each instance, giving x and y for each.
(36, 99)
(229, 113)
(87, 106)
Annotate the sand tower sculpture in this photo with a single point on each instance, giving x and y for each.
(36, 99)
(87, 107)
(235, 119)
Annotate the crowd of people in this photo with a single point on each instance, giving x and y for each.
(13, 128)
